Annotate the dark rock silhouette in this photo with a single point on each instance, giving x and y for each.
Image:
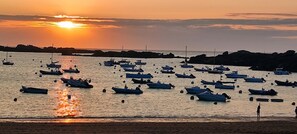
(257, 61)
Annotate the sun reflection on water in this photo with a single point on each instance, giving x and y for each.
(68, 105)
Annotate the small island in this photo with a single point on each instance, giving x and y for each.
(256, 61)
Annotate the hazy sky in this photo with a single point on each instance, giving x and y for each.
(256, 25)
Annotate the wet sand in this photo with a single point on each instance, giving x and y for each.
(71, 127)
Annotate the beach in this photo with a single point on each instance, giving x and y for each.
(69, 126)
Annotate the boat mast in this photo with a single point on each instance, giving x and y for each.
(214, 58)
(52, 53)
(122, 52)
(186, 54)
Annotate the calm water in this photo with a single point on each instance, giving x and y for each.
(152, 103)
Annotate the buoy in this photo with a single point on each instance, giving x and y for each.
(237, 86)
(41, 61)
(181, 91)
(293, 103)
(124, 81)
(15, 99)
(69, 96)
(35, 72)
(168, 76)
(189, 70)
(121, 76)
(192, 82)
(157, 68)
(139, 86)
(41, 66)
(174, 66)
(235, 79)
(104, 90)
(32, 59)
(119, 70)
(153, 64)
(266, 75)
(40, 75)
(240, 91)
(192, 97)
(205, 86)
(113, 72)
(215, 103)
(271, 83)
(123, 101)
(251, 98)
(55, 80)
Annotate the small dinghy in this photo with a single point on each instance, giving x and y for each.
(277, 100)
(51, 72)
(280, 71)
(222, 68)
(141, 81)
(209, 96)
(262, 99)
(133, 70)
(254, 80)
(167, 71)
(139, 75)
(208, 82)
(159, 85)
(127, 65)
(235, 75)
(263, 92)
(196, 90)
(109, 63)
(71, 70)
(53, 65)
(126, 90)
(33, 90)
(166, 67)
(285, 83)
(215, 71)
(220, 85)
(185, 76)
(201, 69)
(139, 62)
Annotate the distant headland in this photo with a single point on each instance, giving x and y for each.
(93, 53)
(256, 61)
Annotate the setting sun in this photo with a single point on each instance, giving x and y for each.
(68, 24)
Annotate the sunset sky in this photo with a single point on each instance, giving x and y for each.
(255, 25)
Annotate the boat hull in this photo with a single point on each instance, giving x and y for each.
(126, 91)
(33, 90)
(144, 76)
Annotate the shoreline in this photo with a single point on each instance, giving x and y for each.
(70, 127)
(145, 119)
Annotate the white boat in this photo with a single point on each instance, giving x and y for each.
(196, 90)
(139, 62)
(209, 96)
(126, 90)
(6, 61)
(254, 80)
(234, 74)
(185, 64)
(159, 85)
(220, 85)
(280, 71)
(139, 75)
(185, 76)
(166, 67)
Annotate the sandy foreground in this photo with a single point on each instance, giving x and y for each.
(78, 126)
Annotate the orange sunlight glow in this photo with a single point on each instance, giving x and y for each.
(68, 24)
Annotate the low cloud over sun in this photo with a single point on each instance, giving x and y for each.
(68, 24)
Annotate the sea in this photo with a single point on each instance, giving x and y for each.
(153, 103)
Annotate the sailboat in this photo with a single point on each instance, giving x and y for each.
(185, 65)
(6, 61)
(215, 70)
(53, 63)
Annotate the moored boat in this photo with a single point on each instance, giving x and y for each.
(209, 96)
(139, 62)
(80, 83)
(51, 72)
(6, 61)
(280, 71)
(159, 85)
(126, 90)
(196, 90)
(235, 74)
(166, 67)
(167, 71)
(71, 70)
(33, 90)
(141, 81)
(285, 83)
(222, 68)
(220, 85)
(185, 76)
(139, 75)
(254, 80)
(263, 92)
(133, 70)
